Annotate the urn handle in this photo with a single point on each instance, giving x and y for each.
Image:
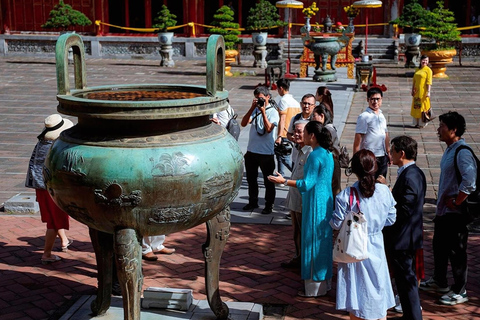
(64, 43)
(215, 64)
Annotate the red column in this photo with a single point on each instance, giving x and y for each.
(148, 13)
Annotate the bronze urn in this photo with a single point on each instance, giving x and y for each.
(144, 160)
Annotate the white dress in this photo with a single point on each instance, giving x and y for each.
(364, 288)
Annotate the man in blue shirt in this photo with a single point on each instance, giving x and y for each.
(260, 150)
(451, 233)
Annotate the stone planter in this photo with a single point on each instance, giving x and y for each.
(439, 60)
(259, 40)
(412, 53)
(166, 49)
(144, 160)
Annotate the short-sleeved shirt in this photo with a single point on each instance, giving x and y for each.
(297, 117)
(374, 128)
(260, 141)
(291, 107)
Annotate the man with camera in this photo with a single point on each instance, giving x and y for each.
(260, 150)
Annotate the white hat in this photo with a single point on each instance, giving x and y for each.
(54, 125)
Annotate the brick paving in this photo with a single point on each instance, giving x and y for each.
(250, 270)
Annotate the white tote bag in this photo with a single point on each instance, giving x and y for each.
(351, 243)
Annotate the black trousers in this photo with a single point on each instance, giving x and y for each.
(403, 262)
(450, 243)
(382, 166)
(267, 165)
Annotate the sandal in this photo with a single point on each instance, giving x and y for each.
(65, 249)
(52, 259)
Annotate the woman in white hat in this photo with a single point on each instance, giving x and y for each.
(56, 219)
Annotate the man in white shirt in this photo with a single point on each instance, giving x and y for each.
(288, 107)
(371, 131)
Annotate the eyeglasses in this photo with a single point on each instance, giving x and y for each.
(308, 103)
(375, 99)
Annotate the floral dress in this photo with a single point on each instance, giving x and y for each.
(420, 101)
(364, 288)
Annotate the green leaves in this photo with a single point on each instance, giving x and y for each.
(164, 19)
(224, 26)
(263, 16)
(63, 16)
(440, 25)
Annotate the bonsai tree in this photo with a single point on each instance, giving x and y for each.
(263, 16)
(412, 18)
(440, 26)
(63, 16)
(224, 26)
(164, 19)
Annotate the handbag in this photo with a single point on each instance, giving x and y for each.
(343, 157)
(351, 243)
(428, 115)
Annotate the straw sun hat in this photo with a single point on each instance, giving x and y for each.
(54, 125)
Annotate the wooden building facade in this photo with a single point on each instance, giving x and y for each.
(27, 16)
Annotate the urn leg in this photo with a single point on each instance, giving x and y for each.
(333, 60)
(218, 230)
(316, 57)
(324, 61)
(128, 255)
(103, 246)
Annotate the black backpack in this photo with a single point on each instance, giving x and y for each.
(471, 205)
(233, 127)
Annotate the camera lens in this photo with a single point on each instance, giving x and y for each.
(260, 102)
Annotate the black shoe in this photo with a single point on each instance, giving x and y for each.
(267, 210)
(292, 264)
(250, 207)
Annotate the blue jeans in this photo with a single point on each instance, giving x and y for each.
(284, 162)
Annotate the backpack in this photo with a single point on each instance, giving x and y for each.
(471, 206)
(233, 127)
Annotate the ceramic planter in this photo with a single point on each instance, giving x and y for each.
(166, 50)
(259, 40)
(230, 57)
(439, 60)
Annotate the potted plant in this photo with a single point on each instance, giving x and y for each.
(412, 20)
(164, 20)
(261, 17)
(440, 27)
(352, 13)
(63, 17)
(224, 25)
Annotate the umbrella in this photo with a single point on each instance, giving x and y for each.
(289, 4)
(367, 4)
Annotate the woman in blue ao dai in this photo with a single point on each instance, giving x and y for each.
(317, 208)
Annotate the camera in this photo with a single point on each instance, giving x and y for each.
(260, 102)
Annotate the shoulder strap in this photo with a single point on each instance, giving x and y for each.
(457, 171)
(353, 192)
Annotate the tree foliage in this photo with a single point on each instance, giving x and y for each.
(263, 16)
(412, 17)
(440, 26)
(164, 19)
(63, 16)
(224, 26)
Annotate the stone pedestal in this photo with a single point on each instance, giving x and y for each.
(363, 73)
(167, 298)
(260, 53)
(412, 56)
(324, 76)
(166, 52)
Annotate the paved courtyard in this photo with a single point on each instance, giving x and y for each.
(250, 269)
